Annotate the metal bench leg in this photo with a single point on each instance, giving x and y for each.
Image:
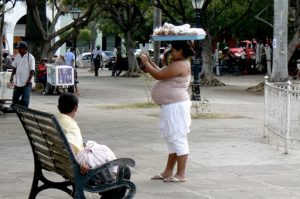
(34, 187)
(79, 192)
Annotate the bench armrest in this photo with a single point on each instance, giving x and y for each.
(107, 180)
(117, 162)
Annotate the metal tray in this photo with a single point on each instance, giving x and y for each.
(177, 37)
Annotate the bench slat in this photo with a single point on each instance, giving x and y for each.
(55, 155)
(68, 174)
(47, 129)
(44, 158)
(36, 134)
(35, 118)
(42, 149)
(50, 149)
(42, 133)
(63, 168)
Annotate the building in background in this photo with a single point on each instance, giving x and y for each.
(15, 25)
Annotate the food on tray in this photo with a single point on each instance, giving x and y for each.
(170, 29)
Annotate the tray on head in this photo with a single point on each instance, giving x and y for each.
(177, 37)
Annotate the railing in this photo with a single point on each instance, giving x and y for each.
(282, 111)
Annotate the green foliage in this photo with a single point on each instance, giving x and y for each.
(85, 35)
(176, 11)
(238, 16)
(120, 16)
(107, 26)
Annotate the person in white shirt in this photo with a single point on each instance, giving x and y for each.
(97, 56)
(23, 70)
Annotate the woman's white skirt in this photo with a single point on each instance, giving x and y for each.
(175, 120)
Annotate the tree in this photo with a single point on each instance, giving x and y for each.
(48, 33)
(129, 16)
(280, 69)
(216, 16)
(282, 57)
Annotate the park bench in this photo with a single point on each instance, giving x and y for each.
(52, 152)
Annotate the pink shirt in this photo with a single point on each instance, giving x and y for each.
(172, 90)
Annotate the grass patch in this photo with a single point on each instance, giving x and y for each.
(209, 116)
(129, 106)
(201, 115)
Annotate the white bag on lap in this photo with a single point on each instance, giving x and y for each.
(95, 155)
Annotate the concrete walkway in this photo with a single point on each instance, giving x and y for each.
(229, 158)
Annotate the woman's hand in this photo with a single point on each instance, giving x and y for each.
(145, 59)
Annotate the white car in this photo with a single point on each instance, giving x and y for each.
(85, 60)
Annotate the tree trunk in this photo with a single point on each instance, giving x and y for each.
(133, 69)
(293, 43)
(1, 38)
(208, 64)
(41, 46)
(280, 69)
(33, 36)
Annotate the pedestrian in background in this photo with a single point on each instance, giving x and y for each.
(97, 57)
(117, 64)
(23, 70)
(7, 61)
(70, 57)
(121, 61)
(42, 73)
(171, 93)
(70, 61)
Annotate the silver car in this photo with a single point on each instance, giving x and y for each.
(85, 60)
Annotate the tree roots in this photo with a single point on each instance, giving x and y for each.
(256, 89)
(212, 82)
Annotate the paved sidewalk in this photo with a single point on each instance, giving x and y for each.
(229, 158)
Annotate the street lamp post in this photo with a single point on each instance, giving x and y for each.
(197, 5)
(75, 13)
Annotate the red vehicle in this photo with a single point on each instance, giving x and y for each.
(242, 58)
(246, 50)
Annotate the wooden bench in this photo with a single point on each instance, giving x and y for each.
(52, 152)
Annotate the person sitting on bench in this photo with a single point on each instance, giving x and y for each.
(68, 106)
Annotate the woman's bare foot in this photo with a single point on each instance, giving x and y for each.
(176, 178)
(161, 176)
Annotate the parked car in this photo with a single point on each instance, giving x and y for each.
(85, 59)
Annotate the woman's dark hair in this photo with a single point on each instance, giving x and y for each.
(67, 102)
(186, 46)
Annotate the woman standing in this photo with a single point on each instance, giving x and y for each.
(170, 92)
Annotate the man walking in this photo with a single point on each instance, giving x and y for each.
(121, 59)
(70, 61)
(97, 56)
(23, 69)
(70, 57)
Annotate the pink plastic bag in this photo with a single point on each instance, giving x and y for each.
(95, 155)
